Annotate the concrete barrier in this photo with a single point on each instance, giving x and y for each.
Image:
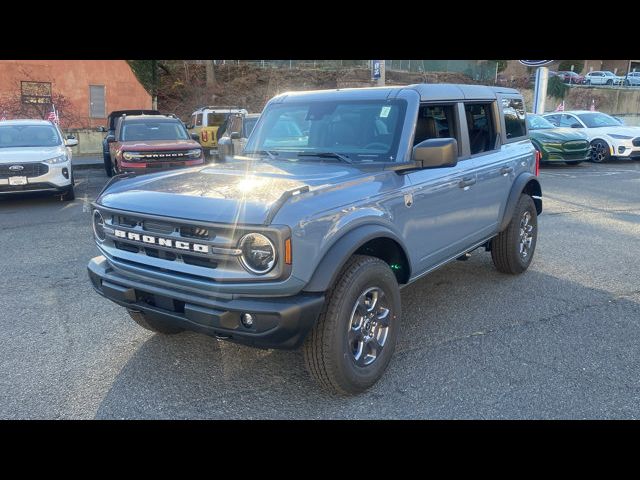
(89, 141)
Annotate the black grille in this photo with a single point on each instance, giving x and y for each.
(636, 142)
(158, 227)
(196, 232)
(27, 187)
(576, 145)
(28, 170)
(161, 156)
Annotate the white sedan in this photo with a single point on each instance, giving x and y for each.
(607, 137)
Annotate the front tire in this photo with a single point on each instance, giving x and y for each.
(351, 344)
(600, 151)
(108, 168)
(154, 325)
(512, 249)
(70, 194)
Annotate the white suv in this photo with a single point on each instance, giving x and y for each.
(602, 78)
(34, 157)
(633, 79)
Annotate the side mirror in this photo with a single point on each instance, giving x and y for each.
(436, 153)
(235, 135)
(110, 138)
(101, 129)
(195, 137)
(71, 142)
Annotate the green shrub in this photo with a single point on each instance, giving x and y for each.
(556, 88)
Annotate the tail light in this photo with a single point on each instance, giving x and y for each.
(538, 155)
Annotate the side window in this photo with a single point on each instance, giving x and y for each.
(555, 119)
(235, 125)
(482, 136)
(193, 120)
(435, 121)
(567, 121)
(514, 117)
(198, 120)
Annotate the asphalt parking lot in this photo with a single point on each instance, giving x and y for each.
(560, 341)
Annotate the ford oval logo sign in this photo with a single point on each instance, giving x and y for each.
(535, 63)
(16, 168)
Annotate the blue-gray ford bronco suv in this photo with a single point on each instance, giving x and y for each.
(339, 199)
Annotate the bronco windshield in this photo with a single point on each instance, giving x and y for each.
(29, 136)
(150, 130)
(356, 131)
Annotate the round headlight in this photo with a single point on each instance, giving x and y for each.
(98, 226)
(127, 156)
(258, 253)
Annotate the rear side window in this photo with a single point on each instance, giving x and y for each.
(482, 137)
(514, 117)
(199, 120)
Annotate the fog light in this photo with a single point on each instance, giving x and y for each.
(621, 149)
(246, 319)
(65, 172)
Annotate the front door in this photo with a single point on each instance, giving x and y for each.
(441, 221)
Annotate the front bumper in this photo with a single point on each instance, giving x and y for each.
(278, 322)
(52, 181)
(624, 149)
(157, 166)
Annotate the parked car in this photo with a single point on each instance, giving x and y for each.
(110, 130)
(555, 144)
(206, 122)
(632, 79)
(307, 242)
(551, 73)
(607, 137)
(602, 78)
(571, 77)
(146, 143)
(35, 157)
(235, 137)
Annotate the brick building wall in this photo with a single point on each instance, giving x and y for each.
(73, 78)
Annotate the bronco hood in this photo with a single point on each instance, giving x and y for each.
(159, 145)
(239, 191)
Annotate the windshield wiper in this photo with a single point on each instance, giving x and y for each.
(272, 154)
(338, 156)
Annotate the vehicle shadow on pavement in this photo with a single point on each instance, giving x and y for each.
(474, 344)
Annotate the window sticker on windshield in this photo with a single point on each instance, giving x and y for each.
(384, 113)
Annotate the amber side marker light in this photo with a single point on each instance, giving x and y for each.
(287, 251)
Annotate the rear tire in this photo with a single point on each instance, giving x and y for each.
(351, 344)
(154, 325)
(512, 249)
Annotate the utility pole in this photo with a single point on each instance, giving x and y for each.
(540, 92)
(154, 81)
(211, 76)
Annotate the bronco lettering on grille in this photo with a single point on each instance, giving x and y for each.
(163, 242)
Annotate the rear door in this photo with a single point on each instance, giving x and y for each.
(496, 155)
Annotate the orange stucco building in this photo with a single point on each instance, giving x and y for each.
(92, 88)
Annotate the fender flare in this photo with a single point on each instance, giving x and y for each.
(342, 249)
(524, 181)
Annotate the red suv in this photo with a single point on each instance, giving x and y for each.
(149, 143)
(571, 77)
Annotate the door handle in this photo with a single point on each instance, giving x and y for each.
(506, 170)
(466, 182)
